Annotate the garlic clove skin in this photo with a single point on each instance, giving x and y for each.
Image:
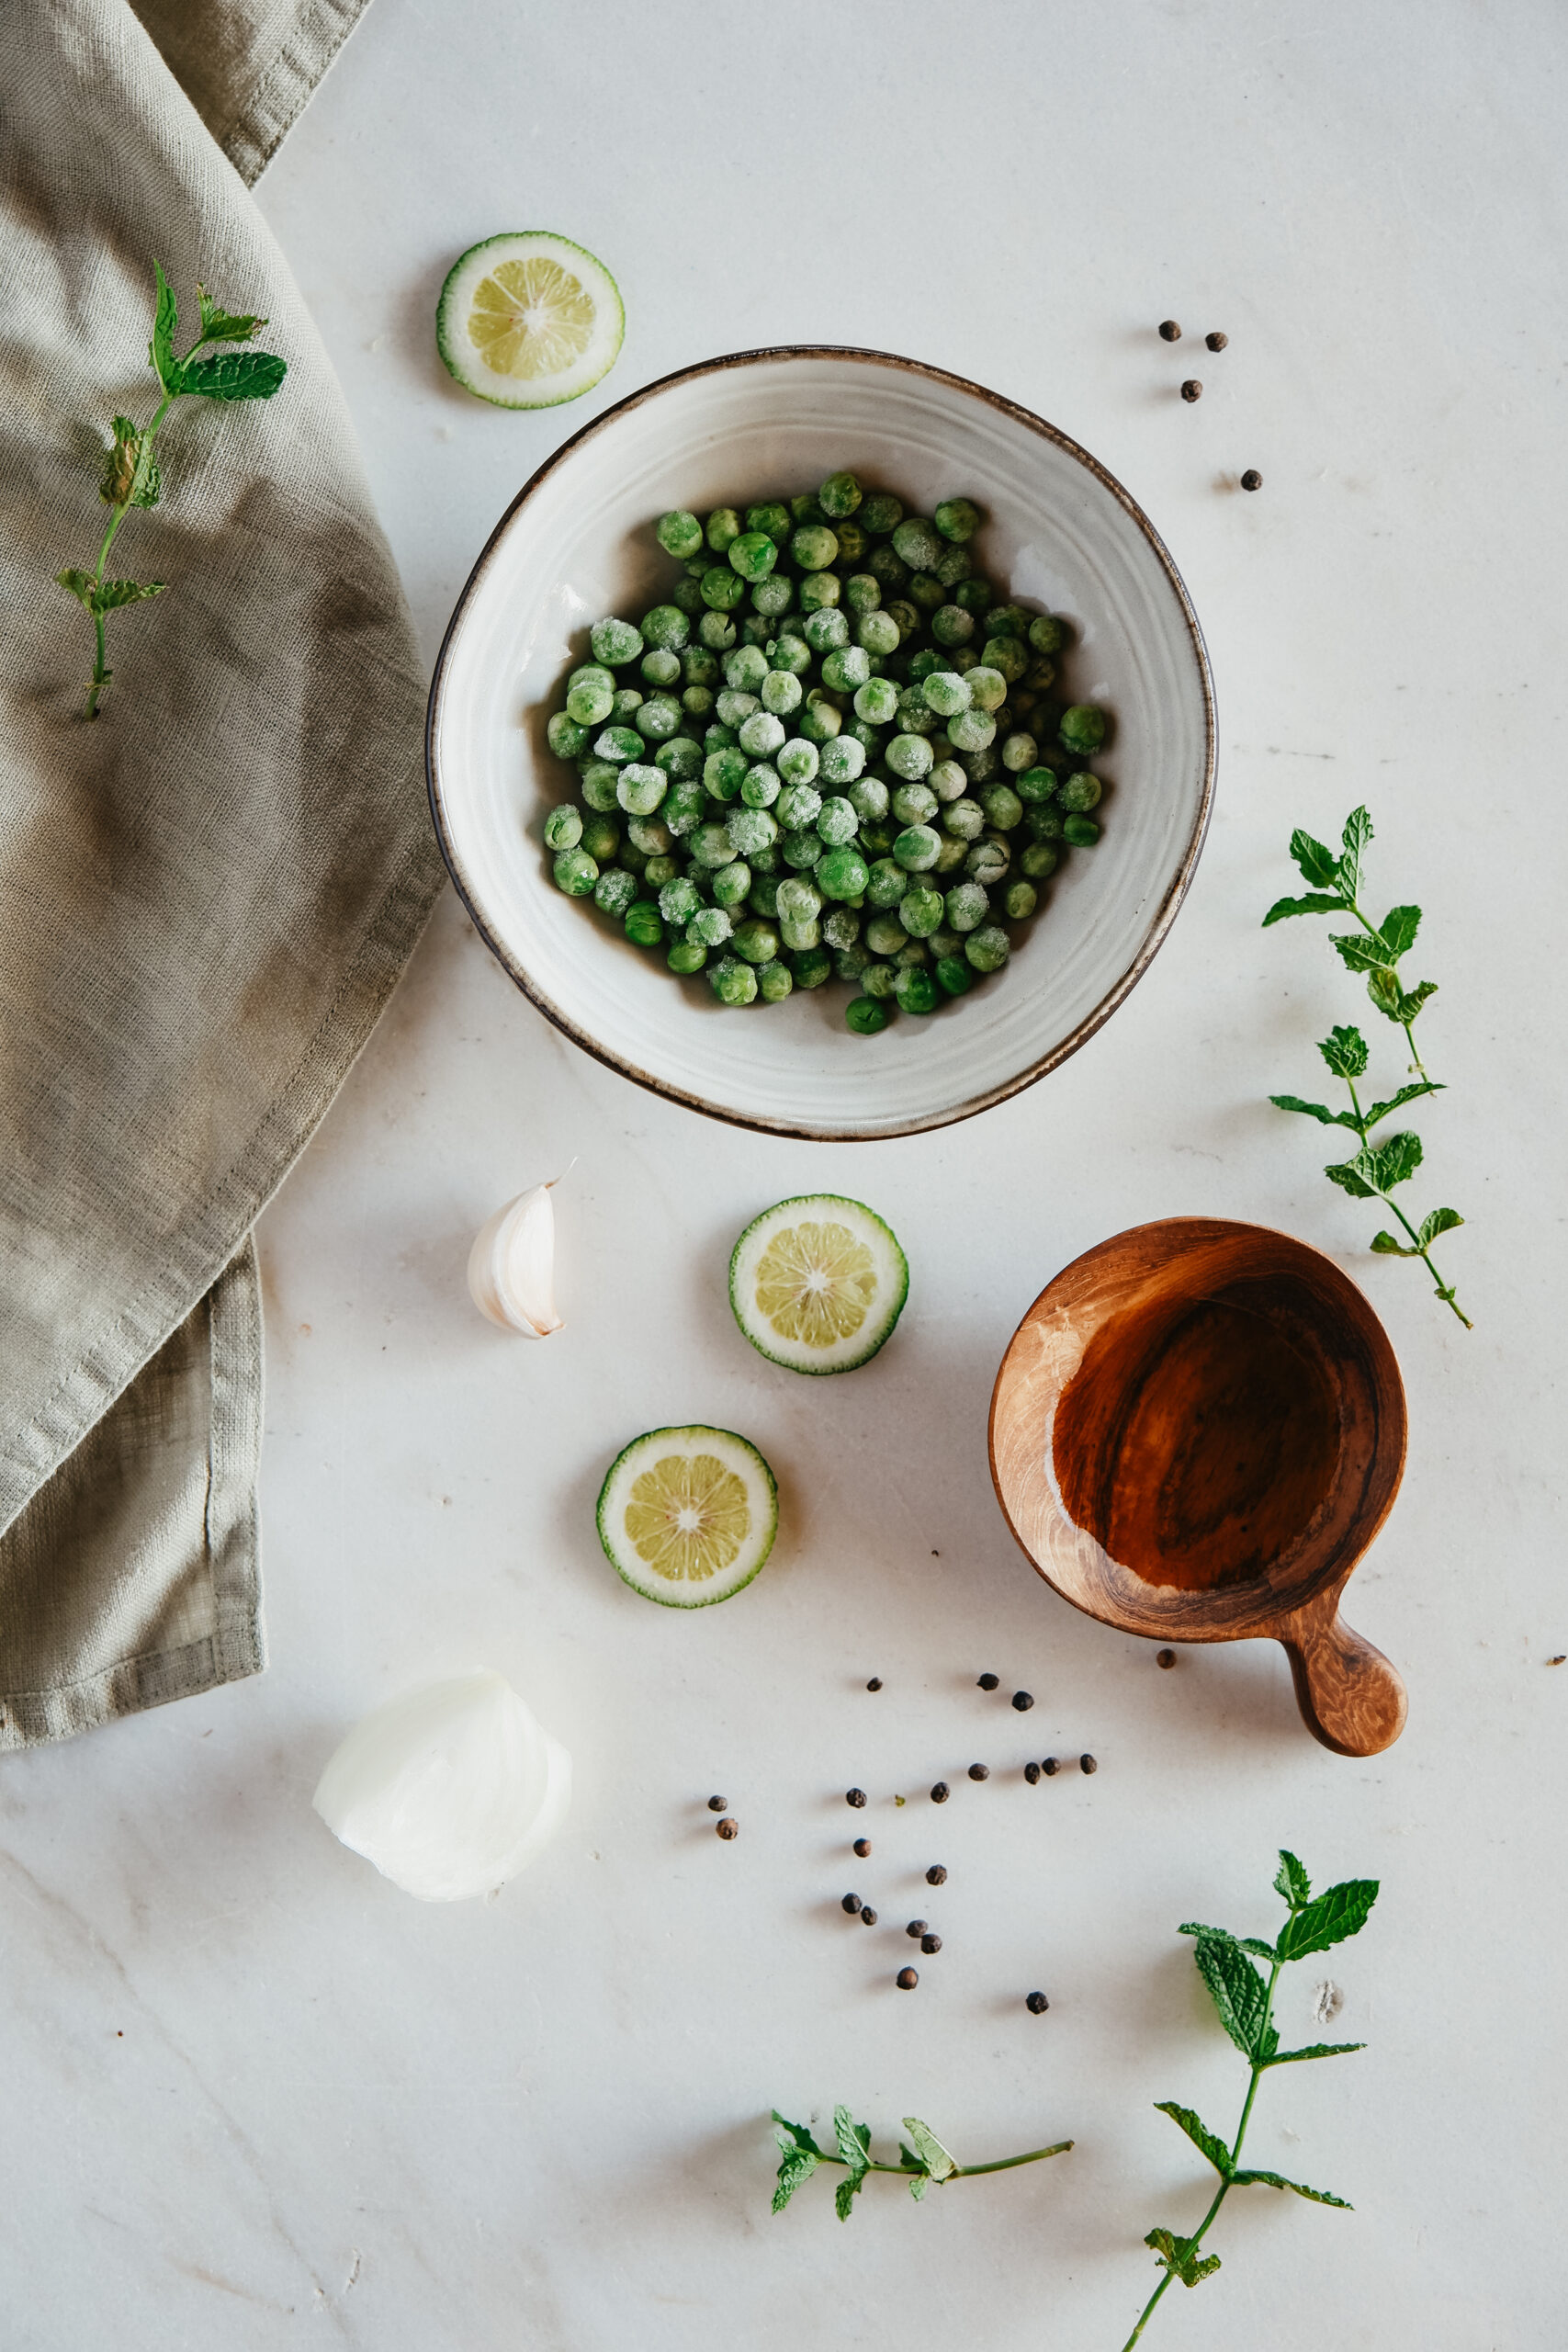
(511, 1266)
(449, 1789)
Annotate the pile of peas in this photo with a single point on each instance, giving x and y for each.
(840, 753)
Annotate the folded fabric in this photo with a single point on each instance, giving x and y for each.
(206, 895)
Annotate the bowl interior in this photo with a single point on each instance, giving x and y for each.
(578, 545)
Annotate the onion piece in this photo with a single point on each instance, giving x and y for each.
(449, 1789)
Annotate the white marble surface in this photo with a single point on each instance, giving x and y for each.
(254, 2096)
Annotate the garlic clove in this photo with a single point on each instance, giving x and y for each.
(511, 1266)
(449, 1789)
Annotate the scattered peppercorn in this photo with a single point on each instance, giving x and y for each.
(917, 1927)
(876, 1682)
(990, 1681)
(1031, 1773)
(728, 1826)
(1216, 342)
(1192, 389)
(863, 1846)
(1169, 331)
(1561, 1660)
(1049, 1765)
(867, 1916)
(1088, 1764)
(937, 1874)
(930, 1943)
(907, 1980)
(855, 1796)
(1252, 479)
(979, 1771)
(1165, 1658)
(1037, 2005)
(939, 1795)
(719, 1804)
(1022, 1701)
(851, 1905)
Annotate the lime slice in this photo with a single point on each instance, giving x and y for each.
(529, 320)
(817, 1284)
(688, 1516)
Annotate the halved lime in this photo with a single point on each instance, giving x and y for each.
(817, 1284)
(688, 1515)
(529, 320)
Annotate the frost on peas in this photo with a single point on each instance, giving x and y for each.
(715, 631)
(877, 980)
(950, 625)
(798, 762)
(840, 494)
(814, 548)
(589, 703)
(946, 692)
(1080, 793)
(735, 705)
(709, 927)
(798, 900)
(885, 882)
(722, 589)
(987, 861)
(798, 936)
(782, 692)
(862, 591)
(842, 760)
(846, 669)
(773, 982)
(1020, 752)
(614, 642)
(967, 906)
(837, 823)
(752, 830)
(827, 629)
(979, 766)
(878, 702)
(762, 734)
(820, 722)
(1006, 656)
(649, 835)
(640, 789)
(761, 787)
(1039, 861)
(953, 565)
(988, 948)
(916, 716)
(916, 848)
(915, 804)
(841, 928)
(885, 934)
(733, 884)
(988, 688)
(565, 736)
(878, 633)
(916, 544)
(909, 756)
(881, 514)
(657, 718)
(658, 667)
(682, 758)
(957, 519)
(919, 913)
(666, 626)
(1002, 806)
(679, 901)
(971, 731)
(722, 526)
(576, 873)
(774, 595)
(733, 981)
(753, 555)
(948, 781)
(614, 891)
(789, 653)
(772, 515)
(686, 957)
(745, 669)
(712, 846)
(819, 591)
(867, 795)
(801, 847)
(598, 785)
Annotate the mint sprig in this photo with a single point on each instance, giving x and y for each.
(1374, 951)
(1244, 2001)
(131, 477)
(926, 2162)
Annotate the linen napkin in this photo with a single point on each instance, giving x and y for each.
(206, 895)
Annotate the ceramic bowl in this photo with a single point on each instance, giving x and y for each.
(578, 543)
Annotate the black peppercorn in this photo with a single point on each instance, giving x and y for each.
(937, 1874)
(917, 1927)
(1192, 389)
(1022, 1701)
(1165, 1658)
(851, 1905)
(855, 1796)
(1169, 331)
(863, 1846)
(1088, 1764)
(907, 1980)
(876, 1682)
(1217, 341)
(1037, 2005)
(930, 1943)
(939, 1795)
(867, 1916)
(979, 1771)
(1252, 479)
(728, 1826)
(719, 1804)
(1050, 1766)
(1031, 1773)
(990, 1681)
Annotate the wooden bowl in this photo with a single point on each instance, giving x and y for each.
(1197, 1430)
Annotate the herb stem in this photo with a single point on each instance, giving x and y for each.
(959, 2172)
(1422, 1249)
(101, 674)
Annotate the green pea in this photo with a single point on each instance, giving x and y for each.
(1083, 729)
(909, 756)
(598, 784)
(915, 990)
(867, 796)
(820, 722)
(1038, 860)
(988, 688)
(915, 804)
(864, 1015)
(659, 667)
(782, 692)
(798, 936)
(1020, 751)
(802, 847)
(814, 548)
(666, 626)
(885, 934)
(756, 628)
(950, 625)
(971, 731)
(837, 823)
(772, 517)
(757, 941)
(753, 555)
(987, 861)
(916, 716)
(921, 912)
(790, 655)
(1047, 634)
(916, 848)
(679, 534)
(954, 976)
(806, 507)
(773, 982)
(687, 956)
(1006, 655)
(946, 692)
(1080, 793)
(840, 928)
(762, 734)
(846, 669)
(745, 669)
(710, 926)
(878, 980)
(979, 766)
(660, 717)
(840, 494)
(881, 514)
(927, 592)
(734, 983)
(682, 759)
(957, 518)
(973, 595)
(1043, 824)
(948, 781)
(715, 629)
(599, 838)
(967, 906)
(1036, 786)
(887, 569)
(798, 900)
(1002, 807)
(774, 595)
(731, 883)
(863, 592)
(761, 787)
(614, 642)
(818, 591)
(725, 772)
(712, 846)
(723, 526)
(988, 948)
(563, 827)
(811, 967)
(576, 873)
(799, 803)
(640, 789)
(1081, 831)
(566, 735)
(953, 564)
(752, 830)
(722, 589)
(591, 703)
(950, 856)
(687, 597)
(885, 882)
(878, 634)
(734, 706)
(679, 901)
(878, 702)
(842, 873)
(826, 629)
(842, 760)
(614, 891)
(904, 616)
(1019, 902)
(649, 835)
(852, 541)
(916, 544)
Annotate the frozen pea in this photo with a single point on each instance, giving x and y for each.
(862, 591)
(679, 901)
(840, 928)
(946, 692)
(1034, 785)
(1020, 751)
(916, 544)
(948, 781)
(757, 941)
(590, 673)
(988, 948)
(797, 936)
(921, 912)
(951, 854)
(820, 722)
(649, 835)
(1008, 620)
(904, 616)
(1019, 902)
(837, 823)
(723, 526)
(988, 688)
(679, 534)
(878, 702)
(756, 628)
(885, 934)
(1082, 832)
(658, 871)
(687, 956)
(868, 797)
(667, 626)
(952, 976)
(798, 900)
(731, 883)
(789, 654)
(716, 630)
(782, 692)
(953, 565)
(766, 861)
(591, 703)
(852, 541)
(598, 785)
(774, 596)
(967, 906)
(915, 804)
(661, 666)
(812, 968)
(814, 548)
(722, 588)
(865, 1016)
(878, 633)
(885, 882)
(752, 828)
(957, 518)
(943, 941)
(734, 983)
(725, 772)
(846, 669)
(840, 494)
(979, 766)
(881, 514)
(614, 891)
(711, 846)
(1006, 655)
(916, 848)
(576, 873)
(841, 872)
(818, 590)
(916, 990)
(1080, 793)
(682, 758)
(806, 507)
(987, 861)
(745, 669)
(735, 705)
(1047, 634)
(659, 718)
(798, 763)
(842, 760)
(877, 980)
(565, 736)
(924, 664)
(801, 846)
(1043, 824)
(761, 787)
(916, 716)
(687, 595)
(909, 756)
(876, 839)
(851, 961)
(773, 982)
(709, 927)
(761, 733)
(763, 896)
(1083, 729)
(753, 555)
(827, 629)
(640, 789)
(1002, 806)
(927, 591)
(772, 517)
(974, 596)
(1038, 860)
(614, 643)
(971, 731)
(601, 837)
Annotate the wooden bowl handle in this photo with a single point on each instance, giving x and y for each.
(1350, 1697)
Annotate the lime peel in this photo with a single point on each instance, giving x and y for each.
(528, 319)
(817, 1284)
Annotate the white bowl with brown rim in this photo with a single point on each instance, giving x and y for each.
(578, 543)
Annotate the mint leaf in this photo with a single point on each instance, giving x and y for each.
(1388, 1245)
(1344, 1051)
(1275, 2180)
(1316, 2050)
(1318, 865)
(224, 326)
(1357, 834)
(799, 2137)
(1347, 1174)
(77, 583)
(1178, 2256)
(1359, 951)
(854, 2139)
(938, 2162)
(1247, 1943)
(1395, 1161)
(919, 2184)
(1202, 2138)
(108, 594)
(1317, 903)
(166, 319)
(1441, 1221)
(798, 2166)
(1237, 1990)
(845, 2194)
(1319, 1111)
(234, 375)
(1411, 1094)
(1341, 1911)
(1398, 930)
(1410, 1004)
(1292, 1884)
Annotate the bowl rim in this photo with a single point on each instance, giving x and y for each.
(1164, 915)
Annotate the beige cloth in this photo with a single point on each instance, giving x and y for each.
(206, 896)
